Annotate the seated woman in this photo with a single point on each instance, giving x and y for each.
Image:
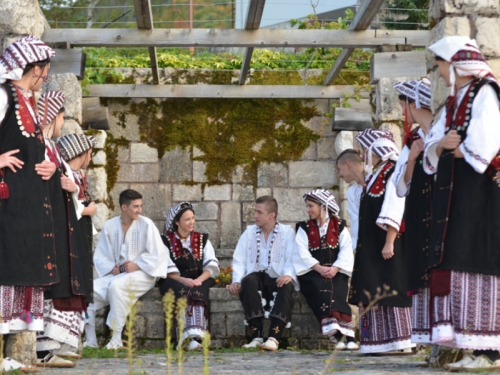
(323, 263)
(194, 256)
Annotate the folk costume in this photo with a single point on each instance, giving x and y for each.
(387, 326)
(26, 227)
(330, 246)
(142, 245)
(64, 304)
(353, 200)
(192, 256)
(464, 256)
(417, 215)
(257, 264)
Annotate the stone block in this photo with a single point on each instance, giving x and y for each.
(156, 199)
(140, 326)
(291, 207)
(218, 325)
(197, 152)
(326, 149)
(176, 166)
(387, 101)
(100, 137)
(312, 173)
(206, 211)
(114, 195)
(310, 152)
(155, 327)
(209, 227)
(71, 127)
(230, 226)
(439, 92)
(320, 125)
(217, 193)
(343, 141)
(495, 66)
(139, 172)
(122, 123)
(221, 294)
(248, 211)
(99, 158)
(152, 295)
(153, 344)
(187, 193)
(243, 193)
(300, 325)
(69, 85)
(23, 17)
(234, 324)
(488, 30)
(441, 8)
(199, 170)
(22, 347)
(101, 216)
(448, 26)
(260, 192)
(226, 306)
(123, 154)
(396, 131)
(272, 174)
(238, 175)
(143, 153)
(97, 184)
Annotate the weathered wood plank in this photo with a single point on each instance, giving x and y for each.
(261, 38)
(397, 64)
(220, 91)
(68, 61)
(254, 16)
(144, 18)
(351, 119)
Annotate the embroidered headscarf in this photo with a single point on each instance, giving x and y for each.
(324, 198)
(174, 213)
(378, 142)
(465, 57)
(49, 105)
(21, 53)
(72, 145)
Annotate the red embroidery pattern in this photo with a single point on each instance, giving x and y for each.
(176, 245)
(378, 187)
(332, 235)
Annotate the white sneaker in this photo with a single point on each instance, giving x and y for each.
(90, 344)
(271, 344)
(70, 355)
(466, 360)
(255, 343)
(340, 345)
(194, 345)
(351, 345)
(114, 345)
(9, 364)
(54, 361)
(482, 362)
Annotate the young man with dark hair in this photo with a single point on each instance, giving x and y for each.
(263, 274)
(128, 258)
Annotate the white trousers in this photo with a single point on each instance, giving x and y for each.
(120, 292)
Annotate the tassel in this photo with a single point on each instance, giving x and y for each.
(4, 188)
(27, 316)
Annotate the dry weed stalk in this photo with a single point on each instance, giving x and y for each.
(206, 346)
(181, 322)
(168, 308)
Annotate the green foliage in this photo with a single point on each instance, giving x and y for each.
(407, 14)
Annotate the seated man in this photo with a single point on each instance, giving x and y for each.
(263, 274)
(128, 258)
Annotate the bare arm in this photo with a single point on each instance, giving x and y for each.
(390, 237)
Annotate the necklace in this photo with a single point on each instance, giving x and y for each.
(259, 233)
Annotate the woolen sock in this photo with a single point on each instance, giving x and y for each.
(256, 327)
(90, 335)
(276, 328)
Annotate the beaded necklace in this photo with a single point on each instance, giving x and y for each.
(274, 235)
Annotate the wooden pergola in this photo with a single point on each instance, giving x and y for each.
(357, 36)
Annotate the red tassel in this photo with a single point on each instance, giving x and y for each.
(407, 125)
(4, 188)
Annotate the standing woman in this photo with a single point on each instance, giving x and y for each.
(27, 252)
(194, 256)
(415, 98)
(463, 149)
(380, 262)
(323, 263)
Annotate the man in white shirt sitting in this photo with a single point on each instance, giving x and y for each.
(128, 258)
(263, 274)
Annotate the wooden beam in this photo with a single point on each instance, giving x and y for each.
(361, 21)
(351, 119)
(254, 16)
(397, 64)
(68, 61)
(144, 18)
(220, 91)
(261, 38)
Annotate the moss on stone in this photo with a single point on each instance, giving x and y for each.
(112, 163)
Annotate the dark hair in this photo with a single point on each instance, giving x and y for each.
(41, 64)
(270, 202)
(351, 155)
(129, 195)
(405, 98)
(61, 110)
(184, 208)
(439, 58)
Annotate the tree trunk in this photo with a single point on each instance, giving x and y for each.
(90, 12)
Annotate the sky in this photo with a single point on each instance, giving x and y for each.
(276, 11)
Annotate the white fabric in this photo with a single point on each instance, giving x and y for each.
(483, 134)
(448, 46)
(120, 292)
(393, 207)
(245, 254)
(210, 261)
(4, 104)
(303, 261)
(353, 201)
(142, 245)
(15, 74)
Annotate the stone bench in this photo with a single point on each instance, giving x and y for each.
(226, 322)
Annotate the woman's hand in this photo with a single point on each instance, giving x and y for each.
(388, 250)
(68, 185)
(450, 141)
(9, 161)
(330, 272)
(190, 283)
(45, 169)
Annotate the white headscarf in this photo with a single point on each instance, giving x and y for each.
(380, 143)
(325, 198)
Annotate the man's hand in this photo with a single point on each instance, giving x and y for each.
(116, 270)
(234, 288)
(416, 148)
(388, 251)
(45, 169)
(330, 272)
(91, 209)
(283, 280)
(68, 185)
(11, 162)
(130, 266)
(450, 141)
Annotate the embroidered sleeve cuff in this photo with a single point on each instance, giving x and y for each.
(475, 160)
(212, 266)
(384, 221)
(431, 159)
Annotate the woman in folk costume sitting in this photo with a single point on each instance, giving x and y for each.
(323, 263)
(380, 262)
(463, 149)
(194, 256)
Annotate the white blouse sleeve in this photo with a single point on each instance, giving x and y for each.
(353, 202)
(303, 261)
(345, 259)
(398, 177)
(392, 209)
(483, 134)
(210, 262)
(431, 158)
(4, 104)
(239, 258)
